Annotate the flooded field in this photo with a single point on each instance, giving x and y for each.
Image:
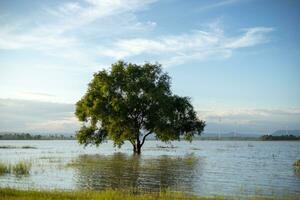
(238, 168)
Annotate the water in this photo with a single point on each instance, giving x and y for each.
(239, 168)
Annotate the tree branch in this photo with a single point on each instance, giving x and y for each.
(131, 142)
(144, 138)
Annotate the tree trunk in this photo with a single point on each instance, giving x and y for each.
(137, 147)
(137, 150)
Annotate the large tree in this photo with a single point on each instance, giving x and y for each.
(130, 102)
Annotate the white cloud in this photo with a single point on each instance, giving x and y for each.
(219, 3)
(64, 125)
(42, 94)
(57, 33)
(74, 15)
(197, 45)
(45, 117)
(252, 36)
(251, 120)
(37, 116)
(73, 27)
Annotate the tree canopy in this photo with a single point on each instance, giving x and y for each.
(130, 102)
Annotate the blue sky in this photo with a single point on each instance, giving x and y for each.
(239, 60)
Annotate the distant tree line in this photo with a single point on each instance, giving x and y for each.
(27, 136)
(281, 137)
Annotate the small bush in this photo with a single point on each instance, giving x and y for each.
(21, 168)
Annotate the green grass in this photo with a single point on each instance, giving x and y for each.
(4, 168)
(109, 194)
(21, 168)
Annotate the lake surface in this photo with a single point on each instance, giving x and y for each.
(238, 168)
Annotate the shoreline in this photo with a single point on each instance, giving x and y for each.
(115, 194)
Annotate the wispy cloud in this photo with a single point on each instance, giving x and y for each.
(67, 30)
(197, 45)
(77, 25)
(38, 93)
(216, 4)
(251, 37)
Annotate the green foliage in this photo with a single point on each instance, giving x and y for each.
(131, 101)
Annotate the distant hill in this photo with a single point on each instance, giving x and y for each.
(286, 132)
(227, 136)
(230, 134)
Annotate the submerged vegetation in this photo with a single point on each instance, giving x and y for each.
(20, 168)
(121, 170)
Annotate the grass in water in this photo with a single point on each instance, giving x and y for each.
(4, 168)
(21, 168)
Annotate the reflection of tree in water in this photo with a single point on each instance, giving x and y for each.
(121, 171)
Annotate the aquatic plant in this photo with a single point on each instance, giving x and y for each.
(22, 168)
(297, 163)
(4, 168)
